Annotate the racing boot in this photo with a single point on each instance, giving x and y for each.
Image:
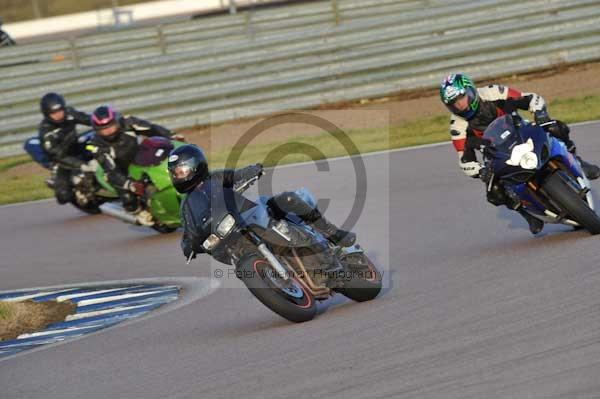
(591, 171)
(144, 218)
(132, 205)
(535, 224)
(334, 234)
(514, 202)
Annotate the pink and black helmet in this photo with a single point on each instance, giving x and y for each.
(103, 117)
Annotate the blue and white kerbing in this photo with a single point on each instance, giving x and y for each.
(98, 307)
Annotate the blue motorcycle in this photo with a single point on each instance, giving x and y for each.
(537, 168)
(283, 262)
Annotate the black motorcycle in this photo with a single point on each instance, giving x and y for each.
(88, 195)
(285, 263)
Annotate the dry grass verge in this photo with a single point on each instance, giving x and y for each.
(17, 318)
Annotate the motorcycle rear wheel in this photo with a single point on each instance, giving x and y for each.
(91, 208)
(561, 192)
(163, 229)
(289, 299)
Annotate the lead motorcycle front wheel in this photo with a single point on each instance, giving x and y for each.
(288, 298)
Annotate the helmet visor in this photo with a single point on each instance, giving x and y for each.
(181, 172)
(465, 103)
(57, 115)
(460, 103)
(107, 130)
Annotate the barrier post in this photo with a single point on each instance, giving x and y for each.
(74, 53)
(337, 19)
(162, 42)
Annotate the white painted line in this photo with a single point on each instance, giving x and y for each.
(584, 123)
(84, 315)
(52, 332)
(193, 289)
(31, 296)
(27, 203)
(411, 148)
(365, 155)
(89, 293)
(117, 297)
(368, 154)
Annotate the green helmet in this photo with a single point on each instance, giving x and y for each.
(455, 86)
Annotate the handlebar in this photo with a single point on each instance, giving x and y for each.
(246, 184)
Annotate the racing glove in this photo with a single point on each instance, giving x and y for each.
(471, 169)
(135, 187)
(251, 171)
(90, 166)
(560, 130)
(243, 176)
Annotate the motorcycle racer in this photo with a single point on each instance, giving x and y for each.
(473, 109)
(58, 137)
(115, 145)
(188, 169)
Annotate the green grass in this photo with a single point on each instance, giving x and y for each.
(11, 162)
(576, 109)
(299, 149)
(4, 311)
(24, 188)
(18, 187)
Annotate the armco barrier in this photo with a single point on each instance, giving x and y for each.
(225, 67)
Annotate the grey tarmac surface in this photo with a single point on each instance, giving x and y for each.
(475, 307)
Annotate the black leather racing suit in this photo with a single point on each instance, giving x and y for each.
(281, 204)
(59, 141)
(115, 154)
(197, 199)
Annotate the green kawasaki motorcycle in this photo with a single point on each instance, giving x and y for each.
(160, 201)
(93, 194)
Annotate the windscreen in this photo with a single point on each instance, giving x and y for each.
(502, 133)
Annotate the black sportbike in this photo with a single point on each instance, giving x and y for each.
(88, 195)
(285, 263)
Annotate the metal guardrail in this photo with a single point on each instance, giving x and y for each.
(297, 57)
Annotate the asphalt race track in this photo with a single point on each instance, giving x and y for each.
(475, 307)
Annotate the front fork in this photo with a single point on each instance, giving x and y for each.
(268, 255)
(580, 184)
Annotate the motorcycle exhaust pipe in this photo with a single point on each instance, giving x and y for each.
(118, 212)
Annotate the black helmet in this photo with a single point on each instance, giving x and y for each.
(105, 122)
(52, 102)
(188, 167)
